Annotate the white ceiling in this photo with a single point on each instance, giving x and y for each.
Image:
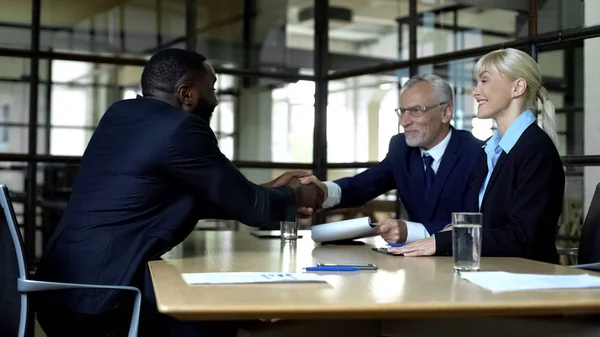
(374, 18)
(370, 18)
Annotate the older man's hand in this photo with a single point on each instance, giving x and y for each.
(425, 247)
(306, 212)
(392, 230)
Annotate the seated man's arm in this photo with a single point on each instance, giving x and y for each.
(194, 159)
(363, 187)
(214, 211)
(209, 210)
(418, 231)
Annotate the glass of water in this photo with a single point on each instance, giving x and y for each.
(289, 230)
(466, 241)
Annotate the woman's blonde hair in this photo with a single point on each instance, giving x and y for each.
(518, 64)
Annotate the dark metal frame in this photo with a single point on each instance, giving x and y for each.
(565, 36)
(533, 24)
(30, 207)
(321, 64)
(321, 77)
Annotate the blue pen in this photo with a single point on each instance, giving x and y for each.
(332, 269)
(395, 244)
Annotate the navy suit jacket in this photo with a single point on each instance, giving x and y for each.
(403, 169)
(149, 173)
(522, 203)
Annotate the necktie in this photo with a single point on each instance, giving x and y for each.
(429, 174)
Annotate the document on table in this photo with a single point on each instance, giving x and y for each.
(250, 277)
(343, 230)
(499, 281)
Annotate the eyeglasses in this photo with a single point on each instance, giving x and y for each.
(417, 111)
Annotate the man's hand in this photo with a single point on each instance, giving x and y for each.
(392, 230)
(306, 212)
(425, 247)
(286, 178)
(308, 196)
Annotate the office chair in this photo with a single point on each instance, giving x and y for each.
(589, 243)
(14, 282)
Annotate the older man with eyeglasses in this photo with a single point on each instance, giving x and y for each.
(429, 164)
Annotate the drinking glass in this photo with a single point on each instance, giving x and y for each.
(289, 230)
(466, 241)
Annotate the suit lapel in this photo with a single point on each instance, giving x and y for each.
(449, 159)
(416, 176)
(479, 174)
(495, 173)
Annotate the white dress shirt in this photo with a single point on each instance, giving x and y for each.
(415, 230)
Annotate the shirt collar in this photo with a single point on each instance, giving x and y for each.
(514, 132)
(437, 151)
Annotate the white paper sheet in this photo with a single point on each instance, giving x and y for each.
(343, 230)
(250, 277)
(499, 281)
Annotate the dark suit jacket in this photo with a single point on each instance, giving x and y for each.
(522, 201)
(589, 243)
(403, 169)
(149, 173)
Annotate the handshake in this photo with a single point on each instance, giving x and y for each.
(310, 191)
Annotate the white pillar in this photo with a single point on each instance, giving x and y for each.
(591, 103)
(254, 131)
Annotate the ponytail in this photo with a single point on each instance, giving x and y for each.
(546, 114)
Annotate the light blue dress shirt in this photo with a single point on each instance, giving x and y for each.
(496, 144)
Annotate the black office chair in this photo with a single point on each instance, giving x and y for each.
(14, 282)
(589, 243)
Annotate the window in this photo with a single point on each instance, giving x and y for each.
(292, 122)
(71, 108)
(131, 93)
(223, 120)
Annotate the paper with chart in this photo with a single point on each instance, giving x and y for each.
(499, 281)
(343, 230)
(250, 277)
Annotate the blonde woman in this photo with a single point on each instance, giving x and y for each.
(518, 183)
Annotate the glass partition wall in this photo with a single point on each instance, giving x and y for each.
(303, 84)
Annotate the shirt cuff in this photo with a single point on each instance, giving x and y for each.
(443, 243)
(415, 231)
(334, 194)
(433, 236)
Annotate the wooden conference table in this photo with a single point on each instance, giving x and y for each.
(401, 288)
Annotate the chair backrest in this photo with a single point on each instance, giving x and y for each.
(13, 304)
(589, 244)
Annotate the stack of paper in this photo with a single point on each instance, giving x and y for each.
(499, 281)
(250, 277)
(343, 230)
